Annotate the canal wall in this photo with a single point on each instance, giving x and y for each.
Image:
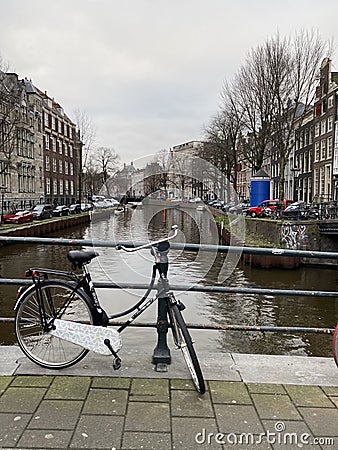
(45, 227)
(294, 235)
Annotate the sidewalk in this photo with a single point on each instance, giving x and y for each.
(249, 399)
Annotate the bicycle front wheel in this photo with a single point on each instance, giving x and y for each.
(335, 345)
(58, 300)
(183, 341)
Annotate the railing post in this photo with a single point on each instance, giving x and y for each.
(161, 355)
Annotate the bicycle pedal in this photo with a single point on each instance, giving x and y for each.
(180, 305)
(117, 363)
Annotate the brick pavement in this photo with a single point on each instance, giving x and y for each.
(86, 412)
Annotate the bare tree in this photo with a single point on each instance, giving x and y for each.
(87, 136)
(294, 65)
(12, 116)
(273, 89)
(87, 132)
(106, 161)
(164, 161)
(252, 96)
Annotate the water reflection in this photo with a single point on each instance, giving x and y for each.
(189, 267)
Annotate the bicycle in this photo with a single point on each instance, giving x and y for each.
(59, 320)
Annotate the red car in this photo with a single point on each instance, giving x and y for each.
(18, 217)
(254, 211)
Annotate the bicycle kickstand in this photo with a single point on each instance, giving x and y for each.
(117, 359)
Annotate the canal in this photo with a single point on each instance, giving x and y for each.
(188, 268)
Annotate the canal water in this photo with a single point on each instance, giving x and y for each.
(188, 268)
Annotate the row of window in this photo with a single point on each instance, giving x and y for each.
(323, 149)
(322, 181)
(322, 107)
(26, 183)
(303, 162)
(58, 125)
(60, 187)
(323, 126)
(59, 166)
(58, 146)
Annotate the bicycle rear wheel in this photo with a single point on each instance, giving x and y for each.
(40, 346)
(335, 345)
(183, 341)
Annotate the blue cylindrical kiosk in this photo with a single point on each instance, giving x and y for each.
(259, 188)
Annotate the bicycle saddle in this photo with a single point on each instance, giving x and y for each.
(81, 256)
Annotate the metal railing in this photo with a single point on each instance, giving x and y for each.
(197, 288)
(161, 355)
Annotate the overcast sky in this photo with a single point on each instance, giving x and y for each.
(147, 72)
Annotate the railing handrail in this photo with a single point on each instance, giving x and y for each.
(176, 246)
(196, 288)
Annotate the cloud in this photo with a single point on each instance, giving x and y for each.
(147, 72)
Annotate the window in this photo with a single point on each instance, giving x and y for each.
(71, 169)
(60, 166)
(316, 187)
(309, 161)
(322, 181)
(323, 149)
(60, 147)
(47, 163)
(54, 164)
(317, 151)
(46, 120)
(323, 127)
(61, 187)
(329, 147)
(328, 180)
(329, 123)
(317, 129)
(48, 186)
(53, 123)
(55, 187)
(71, 187)
(330, 102)
(66, 168)
(51, 143)
(47, 142)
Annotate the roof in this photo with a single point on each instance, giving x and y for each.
(261, 174)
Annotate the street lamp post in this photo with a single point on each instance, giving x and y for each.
(3, 190)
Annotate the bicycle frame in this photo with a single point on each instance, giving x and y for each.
(85, 283)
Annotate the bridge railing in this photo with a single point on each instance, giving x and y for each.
(197, 288)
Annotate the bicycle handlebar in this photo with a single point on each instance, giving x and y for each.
(174, 228)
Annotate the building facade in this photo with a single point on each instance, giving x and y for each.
(21, 152)
(60, 151)
(40, 150)
(325, 108)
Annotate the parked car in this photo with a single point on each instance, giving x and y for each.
(219, 204)
(254, 211)
(195, 200)
(86, 207)
(19, 216)
(112, 201)
(300, 211)
(60, 210)
(42, 211)
(75, 208)
(240, 208)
